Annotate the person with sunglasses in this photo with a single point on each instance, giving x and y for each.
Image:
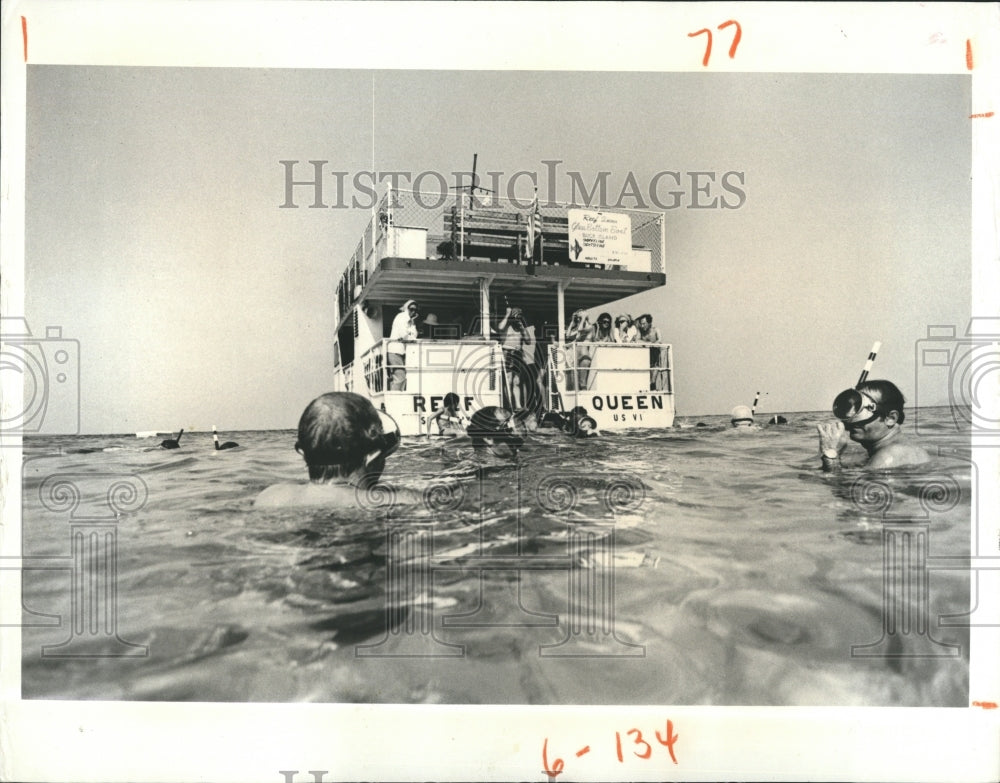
(345, 442)
(404, 330)
(870, 414)
(625, 330)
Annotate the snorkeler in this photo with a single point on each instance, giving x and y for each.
(222, 446)
(450, 420)
(742, 418)
(576, 423)
(870, 414)
(172, 443)
(496, 431)
(345, 442)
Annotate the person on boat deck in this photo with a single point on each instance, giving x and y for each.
(577, 331)
(600, 333)
(742, 418)
(345, 442)
(870, 414)
(517, 339)
(647, 333)
(404, 329)
(603, 333)
(625, 330)
(449, 418)
(578, 328)
(427, 328)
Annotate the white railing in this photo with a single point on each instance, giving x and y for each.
(609, 368)
(434, 368)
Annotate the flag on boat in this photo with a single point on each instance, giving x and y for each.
(534, 227)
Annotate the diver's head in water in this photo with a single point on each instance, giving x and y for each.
(345, 440)
(741, 416)
(495, 428)
(870, 410)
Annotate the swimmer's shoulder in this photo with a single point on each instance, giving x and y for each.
(898, 455)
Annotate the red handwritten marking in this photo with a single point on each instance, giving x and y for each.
(736, 38)
(24, 35)
(708, 46)
(557, 765)
(986, 705)
(638, 739)
(669, 739)
(968, 53)
(583, 750)
(978, 116)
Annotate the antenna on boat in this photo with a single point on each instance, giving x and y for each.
(472, 187)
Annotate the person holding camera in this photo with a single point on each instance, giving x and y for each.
(517, 339)
(870, 414)
(625, 330)
(578, 330)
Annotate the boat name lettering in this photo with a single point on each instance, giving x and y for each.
(420, 403)
(627, 402)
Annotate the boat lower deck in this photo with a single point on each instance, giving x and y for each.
(450, 285)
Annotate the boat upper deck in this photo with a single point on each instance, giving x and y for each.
(439, 249)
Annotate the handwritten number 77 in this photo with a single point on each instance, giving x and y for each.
(708, 46)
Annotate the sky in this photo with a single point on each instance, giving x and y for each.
(155, 237)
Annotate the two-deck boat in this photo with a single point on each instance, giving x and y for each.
(466, 258)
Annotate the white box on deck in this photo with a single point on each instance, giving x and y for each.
(407, 242)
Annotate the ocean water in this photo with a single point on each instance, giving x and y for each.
(699, 565)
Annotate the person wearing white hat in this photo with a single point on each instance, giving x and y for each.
(741, 416)
(430, 321)
(404, 329)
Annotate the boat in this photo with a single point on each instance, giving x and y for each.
(466, 258)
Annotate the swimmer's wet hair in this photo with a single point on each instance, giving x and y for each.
(337, 431)
(451, 399)
(486, 423)
(887, 395)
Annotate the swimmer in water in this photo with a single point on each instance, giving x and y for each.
(870, 414)
(576, 423)
(172, 443)
(742, 418)
(345, 442)
(496, 431)
(449, 419)
(222, 446)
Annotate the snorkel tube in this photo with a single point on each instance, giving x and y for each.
(868, 364)
(850, 400)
